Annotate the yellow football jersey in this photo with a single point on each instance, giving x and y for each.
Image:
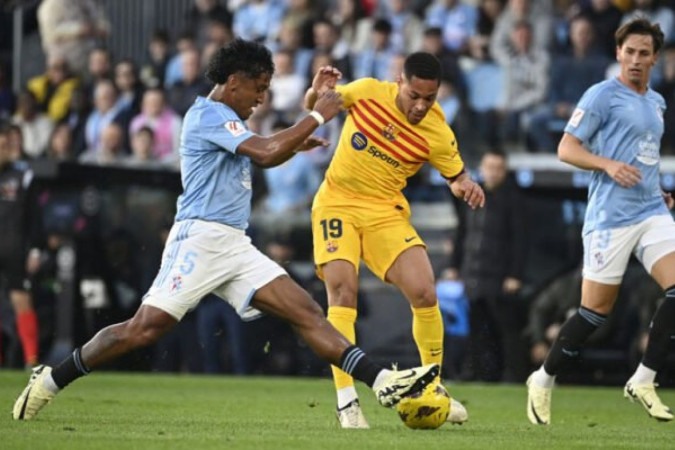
(379, 150)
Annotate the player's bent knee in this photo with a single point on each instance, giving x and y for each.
(424, 297)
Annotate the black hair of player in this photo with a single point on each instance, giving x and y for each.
(422, 65)
(240, 56)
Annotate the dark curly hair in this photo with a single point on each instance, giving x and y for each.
(248, 57)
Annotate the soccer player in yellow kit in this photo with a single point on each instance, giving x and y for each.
(360, 213)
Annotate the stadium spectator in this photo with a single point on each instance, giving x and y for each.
(207, 249)
(488, 13)
(128, 85)
(290, 39)
(518, 11)
(458, 21)
(60, 146)
(526, 73)
(154, 68)
(627, 213)
(203, 14)
(349, 16)
(286, 87)
(15, 183)
(404, 127)
(182, 94)
(54, 89)
(489, 258)
(327, 39)
(15, 142)
(107, 109)
(605, 17)
(99, 68)
(80, 108)
(165, 123)
(258, 20)
(70, 29)
(110, 150)
(142, 143)
(407, 27)
(300, 14)
(571, 74)
(35, 126)
(375, 59)
(174, 67)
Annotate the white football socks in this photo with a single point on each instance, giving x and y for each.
(345, 396)
(643, 375)
(542, 379)
(49, 384)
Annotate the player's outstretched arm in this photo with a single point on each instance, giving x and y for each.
(463, 187)
(571, 151)
(280, 147)
(325, 79)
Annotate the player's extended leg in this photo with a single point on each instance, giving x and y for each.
(597, 300)
(26, 325)
(146, 327)
(641, 386)
(341, 282)
(411, 272)
(285, 299)
(418, 287)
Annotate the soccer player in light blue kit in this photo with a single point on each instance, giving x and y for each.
(207, 250)
(616, 131)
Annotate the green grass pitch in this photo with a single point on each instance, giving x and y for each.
(141, 411)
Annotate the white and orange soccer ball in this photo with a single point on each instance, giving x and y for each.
(427, 410)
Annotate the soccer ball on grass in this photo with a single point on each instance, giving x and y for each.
(425, 410)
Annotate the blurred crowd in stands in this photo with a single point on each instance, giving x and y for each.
(513, 71)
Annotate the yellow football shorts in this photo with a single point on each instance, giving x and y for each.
(356, 230)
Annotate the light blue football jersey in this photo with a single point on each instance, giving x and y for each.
(616, 122)
(216, 180)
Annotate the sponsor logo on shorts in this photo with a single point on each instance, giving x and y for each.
(331, 246)
(176, 283)
(599, 259)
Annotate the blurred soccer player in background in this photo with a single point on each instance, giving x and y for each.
(615, 131)
(14, 184)
(207, 250)
(360, 213)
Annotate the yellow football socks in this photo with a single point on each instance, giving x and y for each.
(428, 334)
(344, 320)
